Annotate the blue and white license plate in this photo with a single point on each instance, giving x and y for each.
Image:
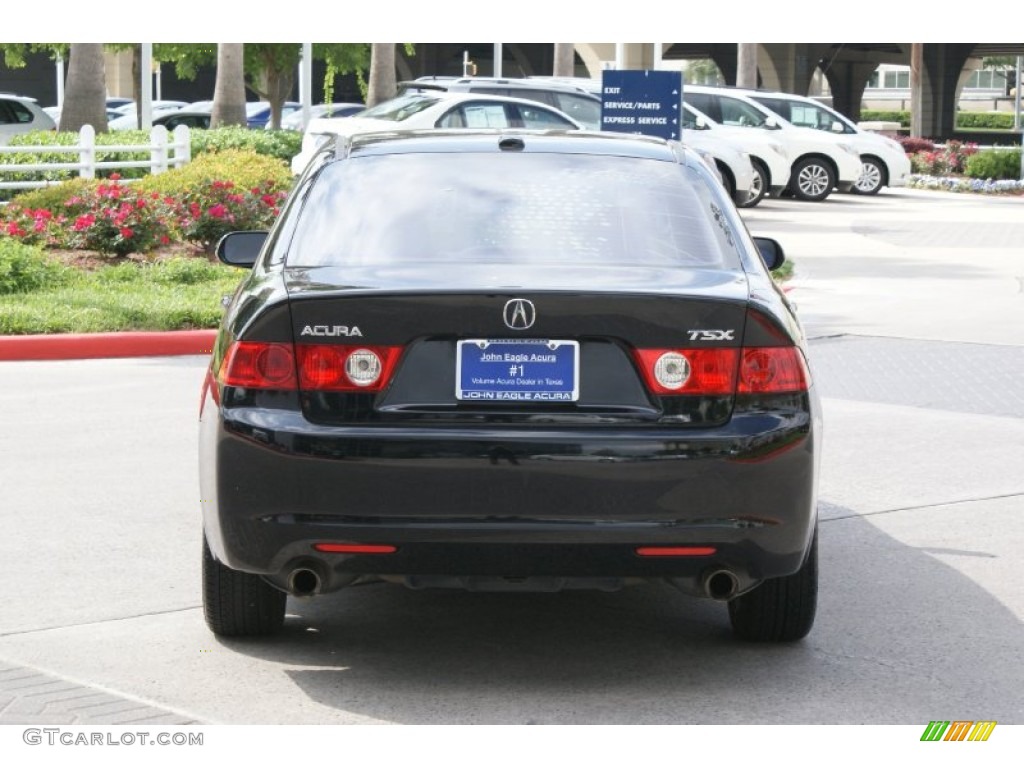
(531, 370)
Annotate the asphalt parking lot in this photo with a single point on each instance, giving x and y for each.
(915, 305)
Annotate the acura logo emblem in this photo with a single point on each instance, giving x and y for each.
(519, 314)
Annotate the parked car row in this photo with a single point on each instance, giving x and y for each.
(798, 146)
(760, 143)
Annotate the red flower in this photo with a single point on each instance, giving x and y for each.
(217, 211)
(115, 176)
(126, 233)
(164, 239)
(84, 222)
(269, 200)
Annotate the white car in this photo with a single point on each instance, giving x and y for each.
(821, 162)
(293, 122)
(885, 163)
(732, 164)
(771, 164)
(21, 114)
(129, 120)
(433, 109)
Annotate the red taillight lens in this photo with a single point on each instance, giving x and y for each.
(356, 549)
(258, 365)
(689, 371)
(675, 551)
(773, 370)
(345, 368)
(751, 370)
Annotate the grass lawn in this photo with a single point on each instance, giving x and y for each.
(171, 295)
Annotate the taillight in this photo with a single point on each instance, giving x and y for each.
(689, 371)
(311, 367)
(258, 365)
(345, 368)
(751, 370)
(773, 370)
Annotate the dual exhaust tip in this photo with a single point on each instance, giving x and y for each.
(717, 584)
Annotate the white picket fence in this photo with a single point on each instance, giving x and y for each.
(165, 151)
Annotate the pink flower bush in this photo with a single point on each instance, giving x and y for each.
(117, 220)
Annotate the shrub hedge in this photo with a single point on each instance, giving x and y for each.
(244, 168)
(991, 120)
(25, 268)
(994, 164)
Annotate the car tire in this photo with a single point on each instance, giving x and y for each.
(727, 182)
(813, 179)
(872, 178)
(238, 604)
(759, 186)
(779, 610)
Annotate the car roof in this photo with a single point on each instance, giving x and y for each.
(435, 140)
(444, 83)
(17, 97)
(319, 124)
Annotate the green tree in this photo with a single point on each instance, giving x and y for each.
(703, 72)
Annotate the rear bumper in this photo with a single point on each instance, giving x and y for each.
(507, 502)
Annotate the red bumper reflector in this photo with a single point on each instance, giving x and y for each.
(356, 549)
(675, 551)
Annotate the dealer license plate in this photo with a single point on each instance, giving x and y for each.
(531, 370)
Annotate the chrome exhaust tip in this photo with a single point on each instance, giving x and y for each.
(304, 582)
(720, 584)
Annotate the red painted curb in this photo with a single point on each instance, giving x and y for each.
(76, 346)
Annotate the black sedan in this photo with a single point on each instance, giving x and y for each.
(506, 360)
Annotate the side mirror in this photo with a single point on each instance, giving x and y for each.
(241, 249)
(702, 124)
(771, 252)
(772, 124)
(837, 127)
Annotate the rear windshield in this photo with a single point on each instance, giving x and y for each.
(511, 208)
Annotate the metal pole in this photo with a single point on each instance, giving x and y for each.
(306, 83)
(1017, 95)
(620, 55)
(146, 87)
(60, 81)
(497, 59)
(657, 56)
(159, 82)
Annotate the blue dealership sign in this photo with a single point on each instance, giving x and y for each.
(641, 101)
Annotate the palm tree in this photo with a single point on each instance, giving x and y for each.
(229, 88)
(85, 95)
(382, 85)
